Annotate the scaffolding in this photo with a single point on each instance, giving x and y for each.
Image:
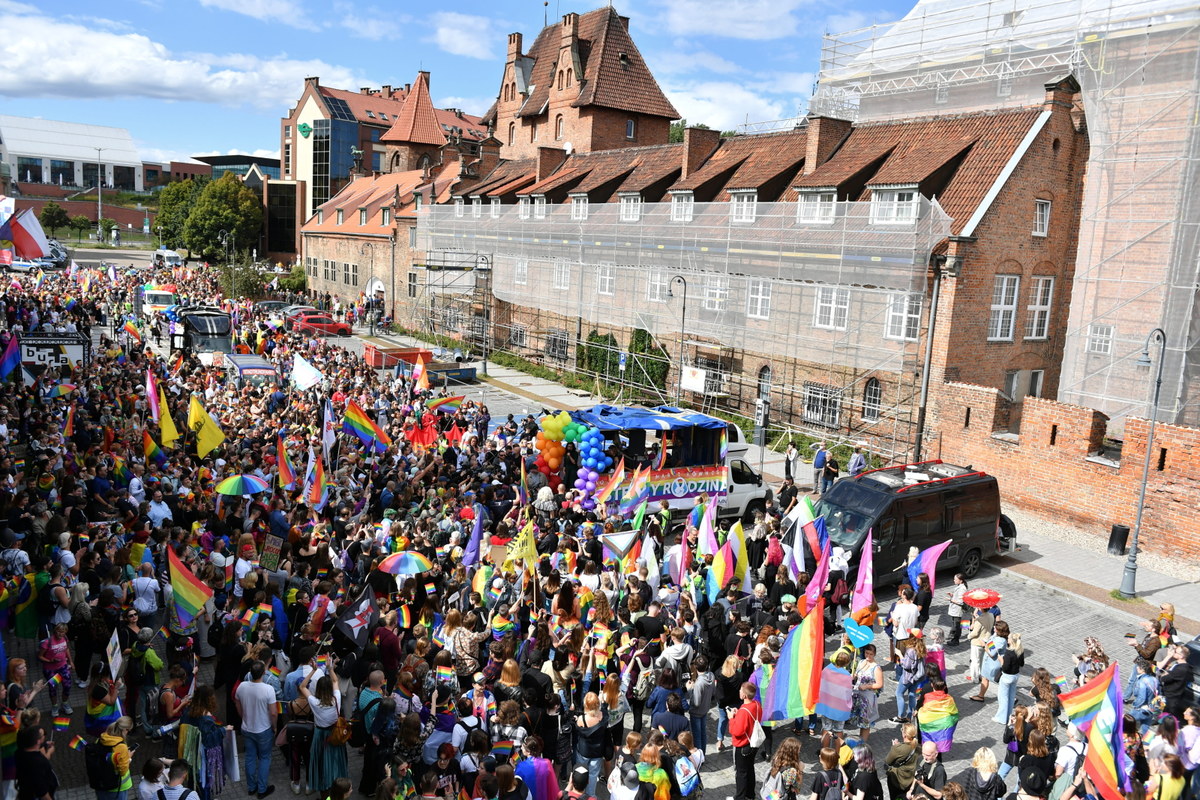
(831, 302)
(1138, 64)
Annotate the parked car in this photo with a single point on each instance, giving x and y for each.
(319, 323)
(21, 265)
(270, 306)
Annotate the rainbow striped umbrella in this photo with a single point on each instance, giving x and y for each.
(406, 562)
(61, 390)
(242, 484)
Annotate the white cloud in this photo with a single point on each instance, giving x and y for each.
(471, 105)
(724, 106)
(370, 22)
(682, 60)
(45, 57)
(287, 12)
(465, 34)
(735, 19)
(794, 83)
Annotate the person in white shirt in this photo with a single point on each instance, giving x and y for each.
(159, 511)
(145, 596)
(137, 486)
(256, 703)
(242, 568)
(904, 615)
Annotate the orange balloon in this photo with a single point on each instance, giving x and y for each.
(553, 462)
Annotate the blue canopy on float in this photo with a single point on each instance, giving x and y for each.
(660, 418)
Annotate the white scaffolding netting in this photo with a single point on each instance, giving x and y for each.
(844, 292)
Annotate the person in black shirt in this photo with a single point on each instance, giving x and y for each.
(35, 777)
(931, 775)
(787, 495)
(865, 784)
(651, 627)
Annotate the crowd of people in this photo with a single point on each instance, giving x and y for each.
(518, 660)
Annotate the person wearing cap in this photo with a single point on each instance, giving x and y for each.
(1033, 784)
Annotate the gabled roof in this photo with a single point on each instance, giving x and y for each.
(370, 193)
(909, 152)
(607, 79)
(633, 169)
(748, 162)
(378, 104)
(417, 122)
(521, 172)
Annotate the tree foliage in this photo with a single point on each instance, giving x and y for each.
(175, 203)
(650, 362)
(241, 280)
(599, 356)
(106, 227)
(79, 223)
(53, 216)
(295, 281)
(224, 205)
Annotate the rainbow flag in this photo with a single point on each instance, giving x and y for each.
(724, 444)
(61, 723)
(502, 625)
(430, 587)
(152, 450)
(447, 405)
(68, 429)
(637, 491)
(523, 487)
(177, 365)
(77, 743)
(937, 718)
(287, 470)
(1061, 682)
(445, 674)
(120, 470)
(132, 331)
(39, 281)
(1082, 705)
(795, 683)
(276, 671)
(404, 617)
(318, 492)
(438, 637)
(720, 572)
(481, 581)
(813, 526)
(1105, 759)
(322, 662)
(54, 681)
(926, 561)
(615, 480)
(357, 422)
(503, 749)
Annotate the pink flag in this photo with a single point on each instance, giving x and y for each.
(708, 537)
(864, 585)
(820, 577)
(152, 395)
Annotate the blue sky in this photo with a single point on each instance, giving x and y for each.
(191, 77)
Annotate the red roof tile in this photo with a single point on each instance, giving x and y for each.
(522, 172)
(371, 193)
(360, 104)
(417, 122)
(748, 162)
(633, 169)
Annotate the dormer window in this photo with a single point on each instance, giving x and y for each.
(477, 207)
(416, 202)
(341, 217)
(458, 206)
(682, 206)
(320, 216)
(745, 206)
(630, 208)
(371, 115)
(495, 208)
(385, 216)
(579, 207)
(539, 207)
(383, 116)
(816, 207)
(523, 208)
(896, 206)
(362, 216)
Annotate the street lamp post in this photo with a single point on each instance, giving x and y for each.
(484, 264)
(1129, 577)
(224, 238)
(99, 192)
(363, 249)
(682, 334)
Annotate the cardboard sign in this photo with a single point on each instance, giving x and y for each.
(269, 558)
(115, 658)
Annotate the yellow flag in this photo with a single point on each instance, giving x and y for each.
(196, 414)
(208, 432)
(166, 426)
(741, 557)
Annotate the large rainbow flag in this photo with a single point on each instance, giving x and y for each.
(152, 451)
(188, 592)
(1105, 760)
(447, 405)
(358, 423)
(1082, 705)
(937, 718)
(795, 684)
(287, 470)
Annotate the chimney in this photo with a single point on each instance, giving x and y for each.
(824, 135)
(386, 90)
(365, 90)
(314, 82)
(514, 47)
(489, 156)
(624, 21)
(1062, 93)
(570, 29)
(698, 145)
(548, 160)
(407, 88)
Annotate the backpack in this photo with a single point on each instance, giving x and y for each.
(358, 723)
(216, 631)
(686, 775)
(153, 700)
(1068, 777)
(840, 592)
(647, 680)
(101, 773)
(835, 790)
(46, 601)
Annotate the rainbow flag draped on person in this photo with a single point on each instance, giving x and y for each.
(188, 592)
(68, 429)
(937, 718)
(926, 561)
(446, 405)
(795, 684)
(1105, 759)
(357, 422)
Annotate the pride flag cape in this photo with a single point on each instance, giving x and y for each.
(152, 450)
(720, 572)
(836, 693)
(188, 592)
(358, 423)
(1105, 760)
(795, 684)
(1082, 705)
(926, 561)
(287, 470)
(937, 718)
(447, 405)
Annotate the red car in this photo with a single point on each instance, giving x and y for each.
(319, 323)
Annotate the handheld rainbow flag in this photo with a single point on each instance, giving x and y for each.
(1082, 705)
(152, 450)
(39, 281)
(430, 587)
(724, 444)
(444, 674)
(637, 491)
(446, 405)
(322, 662)
(926, 561)
(189, 593)
(1105, 759)
(68, 429)
(502, 749)
(132, 332)
(318, 492)
(287, 470)
(77, 743)
(615, 480)
(61, 723)
(357, 422)
(12, 357)
(404, 617)
(795, 683)
(54, 681)
(937, 718)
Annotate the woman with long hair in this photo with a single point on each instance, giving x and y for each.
(867, 683)
(508, 687)
(592, 743)
(1014, 739)
(786, 773)
(1045, 690)
(983, 781)
(993, 651)
(327, 761)
(729, 683)
(1011, 662)
(204, 752)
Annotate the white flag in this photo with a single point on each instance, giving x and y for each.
(304, 374)
(329, 430)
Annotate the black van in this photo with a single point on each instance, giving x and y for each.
(918, 505)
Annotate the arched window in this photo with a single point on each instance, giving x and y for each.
(425, 162)
(558, 127)
(764, 383)
(512, 133)
(872, 400)
(560, 80)
(570, 77)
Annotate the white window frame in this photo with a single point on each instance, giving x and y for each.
(1041, 217)
(495, 207)
(362, 217)
(606, 280)
(1037, 319)
(894, 206)
(1037, 383)
(831, 308)
(816, 208)
(1100, 338)
(562, 274)
(521, 271)
(683, 205)
(716, 292)
(518, 336)
(630, 129)
(579, 207)
(745, 207)
(872, 400)
(459, 210)
(658, 287)
(476, 207)
(523, 208)
(630, 207)
(385, 216)
(341, 216)
(758, 298)
(822, 405)
(539, 206)
(1002, 321)
(903, 318)
(320, 216)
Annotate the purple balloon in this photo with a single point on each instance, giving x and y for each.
(580, 483)
(588, 504)
(591, 486)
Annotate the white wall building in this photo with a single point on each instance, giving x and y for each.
(42, 151)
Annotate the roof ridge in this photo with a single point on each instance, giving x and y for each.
(417, 121)
(989, 112)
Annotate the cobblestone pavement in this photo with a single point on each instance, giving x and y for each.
(1051, 624)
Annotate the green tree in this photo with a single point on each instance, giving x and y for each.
(599, 356)
(175, 203)
(106, 227)
(79, 223)
(675, 134)
(224, 205)
(53, 217)
(296, 281)
(650, 362)
(240, 280)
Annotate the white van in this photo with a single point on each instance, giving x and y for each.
(166, 258)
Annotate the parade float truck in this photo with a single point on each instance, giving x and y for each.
(204, 331)
(687, 454)
(156, 298)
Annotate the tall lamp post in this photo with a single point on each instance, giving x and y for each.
(363, 249)
(226, 240)
(682, 333)
(484, 265)
(99, 192)
(1129, 577)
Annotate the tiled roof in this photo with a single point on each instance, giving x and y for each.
(360, 104)
(371, 193)
(912, 151)
(505, 173)
(632, 169)
(748, 162)
(607, 79)
(417, 122)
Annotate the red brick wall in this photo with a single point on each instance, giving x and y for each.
(1046, 468)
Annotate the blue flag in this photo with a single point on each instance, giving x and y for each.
(11, 359)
